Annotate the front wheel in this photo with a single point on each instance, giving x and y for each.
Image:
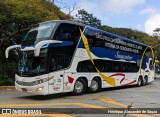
(79, 87)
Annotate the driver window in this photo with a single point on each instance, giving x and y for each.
(57, 62)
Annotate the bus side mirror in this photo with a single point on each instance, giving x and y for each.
(39, 45)
(10, 48)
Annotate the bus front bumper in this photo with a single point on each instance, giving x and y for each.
(40, 89)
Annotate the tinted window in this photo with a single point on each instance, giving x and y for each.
(38, 33)
(60, 57)
(86, 66)
(100, 39)
(68, 32)
(107, 66)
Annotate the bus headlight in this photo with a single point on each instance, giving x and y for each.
(39, 89)
(40, 81)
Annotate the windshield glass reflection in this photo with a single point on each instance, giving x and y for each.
(29, 65)
(38, 33)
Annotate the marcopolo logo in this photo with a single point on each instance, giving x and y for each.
(126, 57)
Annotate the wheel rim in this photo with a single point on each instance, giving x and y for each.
(94, 85)
(139, 81)
(78, 87)
(144, 81)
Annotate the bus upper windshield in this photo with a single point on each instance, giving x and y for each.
(32, 66)
(39, 32)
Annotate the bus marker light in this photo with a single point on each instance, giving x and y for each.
(70, 79)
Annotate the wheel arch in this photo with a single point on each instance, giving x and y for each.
(84, 78)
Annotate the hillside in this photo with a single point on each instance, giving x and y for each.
(133, 34)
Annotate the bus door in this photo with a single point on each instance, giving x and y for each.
(55, 83)
(68, 81)
(56, 75)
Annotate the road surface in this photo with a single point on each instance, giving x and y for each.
(88, 104)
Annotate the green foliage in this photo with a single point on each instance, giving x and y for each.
(132, 34)
(16, 16)
(88, 19)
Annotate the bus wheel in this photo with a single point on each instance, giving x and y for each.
(95, 86)
(79, 87)
(145, 82)
(139, 83)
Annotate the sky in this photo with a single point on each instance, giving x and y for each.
(142, 15)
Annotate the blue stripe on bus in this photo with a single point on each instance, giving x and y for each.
(22, 47)
(65, 43)
(112, 54)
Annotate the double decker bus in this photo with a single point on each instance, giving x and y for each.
(64, 56)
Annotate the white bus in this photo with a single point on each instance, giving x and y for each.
(64, 56)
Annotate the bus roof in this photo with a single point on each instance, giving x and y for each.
(117, 36)
(66, 21)
(89, 27)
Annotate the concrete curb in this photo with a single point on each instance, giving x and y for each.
(7, 87)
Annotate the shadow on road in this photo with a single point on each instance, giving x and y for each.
(66, 95)
(46, 97)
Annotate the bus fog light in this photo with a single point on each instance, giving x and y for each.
(39, 89)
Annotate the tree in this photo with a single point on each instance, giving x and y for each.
(88, 19)
(157, 33)
(17, 15)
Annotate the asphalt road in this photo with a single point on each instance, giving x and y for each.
(89, 104)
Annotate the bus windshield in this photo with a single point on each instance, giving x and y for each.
(38, 33)
(29, 65)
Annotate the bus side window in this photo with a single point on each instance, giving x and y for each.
(67, 60)
(92, 40)
(85, 66)
(150, 65)
(68, 32)
(57, 62)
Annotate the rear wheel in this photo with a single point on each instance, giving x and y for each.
(139, 83)
(95, 85)
(145, 82)
(79, 87)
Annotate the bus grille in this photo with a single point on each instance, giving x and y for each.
(24, 83)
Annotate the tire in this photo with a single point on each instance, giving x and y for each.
(95, 86)
(79, 87)
(139, 83)
(146, 81)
